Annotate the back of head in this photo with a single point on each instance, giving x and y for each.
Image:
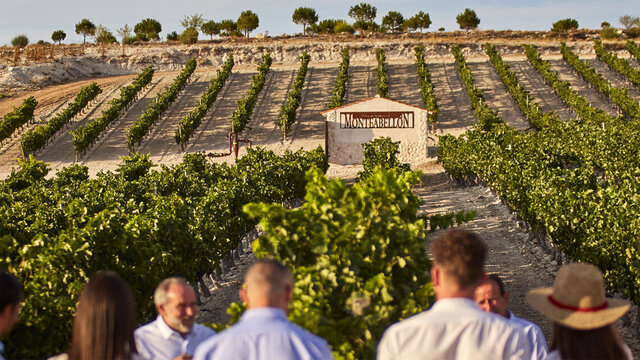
(105, 320)
(11, 291)
(268, 283)
(460, 254)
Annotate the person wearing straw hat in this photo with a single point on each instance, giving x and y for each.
(582, 315)
(454, 327)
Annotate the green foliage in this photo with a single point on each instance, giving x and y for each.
(159, 105)
(194, 21)
(229, 28)
(629, 22)
(421, 21)
(189, 36)
(565, 25)
(487, 117)
(17, 118)
(619, 96)
(393, 21)
(441, 29)
(343, 27)
(429, 98)
(304, 16)
(172, 36)
(84, 28)
(288, 111)
(145, 224)
(39, 136)
(211, 28)
(20, 41)
(191, 121)
(242, 114)
(363, 12)
(605, 24)
(125, 34)
(619, 65)
(609, 33)
(381, 70)
(381, 153)
(633, 49)
(340, 89)
(468, 20)
(325, 26)
(86, 135)
(247, 22)
(104, 36)
(357, 255)
(149, 28)
(58, 36)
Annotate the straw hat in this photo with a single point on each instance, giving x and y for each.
(577, 299)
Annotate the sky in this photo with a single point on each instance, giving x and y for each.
(39, 18)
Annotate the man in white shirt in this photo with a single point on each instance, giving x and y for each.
(263, 332)
(10, 299)
(491, 296)
(454, 327)
(174, 334)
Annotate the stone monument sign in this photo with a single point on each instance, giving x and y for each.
(348, 126)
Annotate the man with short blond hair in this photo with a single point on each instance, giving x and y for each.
(263, 332)
(492, 297)
(174, 334)
(454, 327)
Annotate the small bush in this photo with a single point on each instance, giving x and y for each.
(189, 36)
(609, 33)
(634, 32)
(381, 152)
(20, 41)
(343, 27)
(173, 36)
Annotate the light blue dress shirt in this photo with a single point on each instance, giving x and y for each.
(535, 335)
(158, 341)
(264, 334)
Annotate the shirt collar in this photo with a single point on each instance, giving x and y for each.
(509, 315)
(1, 347)
(455, 303)
(264, 313)
(165, 330)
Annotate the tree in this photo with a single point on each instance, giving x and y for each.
(343, 27)
(393, 21)
(125, 34)
(304, 16)
(363, 12)
(565, 25)
(421, 21)
(325, 26)
(189, 35)
(148, 29)
(58, 36)
(85, 27)
(173, 36)
(468, 20)
(228, 28)
(211, 28)
(194, 21)
(20, 41)
(247, 22)
(604, 24)
(104, 36)
(629, 22)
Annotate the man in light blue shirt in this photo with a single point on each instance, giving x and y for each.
(264, 332)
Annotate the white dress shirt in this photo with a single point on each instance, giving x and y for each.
(157, 340)
(539, 348)
(264, 333)
(454, 328)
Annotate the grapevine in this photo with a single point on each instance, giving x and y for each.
(156, 107)
(36, 138)
(633, 49)
(242, 114)
(429, 98)
(383, 77)
(88, 134)
(288, 110)
(340, 89)
(17, 118)
(617, 64)
(191, 121)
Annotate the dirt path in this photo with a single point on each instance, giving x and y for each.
(363, 82)
(542, 94)
(455, 114)
(614, 77)
(403, 84)
(566, 73)
(496, 94)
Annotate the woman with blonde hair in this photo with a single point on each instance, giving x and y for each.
(582, 315)
(104, 322)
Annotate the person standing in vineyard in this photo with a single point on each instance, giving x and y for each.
(10, 299)
(454, 327)
(174, 334)
(492, 297)
(263, 332)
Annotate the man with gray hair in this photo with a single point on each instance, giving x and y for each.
(174, 334)
(264, 332)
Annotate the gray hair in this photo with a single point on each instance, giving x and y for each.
(160, 295)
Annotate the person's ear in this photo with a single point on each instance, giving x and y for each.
(435, 276)
(160, 309)
(243, 295)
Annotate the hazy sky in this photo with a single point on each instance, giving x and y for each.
(39, 18)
